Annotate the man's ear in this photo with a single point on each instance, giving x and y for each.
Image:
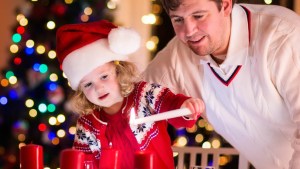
(227, 7)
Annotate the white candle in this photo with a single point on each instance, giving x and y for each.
(159, 116)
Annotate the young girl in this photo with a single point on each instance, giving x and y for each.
(93, 56)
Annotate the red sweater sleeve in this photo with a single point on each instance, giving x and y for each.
(170, 101)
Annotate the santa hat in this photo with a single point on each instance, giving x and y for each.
(83, 47)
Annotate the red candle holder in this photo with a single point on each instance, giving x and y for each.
(143, 160)
(31, 157)
(110, 159)
(72, 159)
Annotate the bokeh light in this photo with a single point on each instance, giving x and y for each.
(29, 103)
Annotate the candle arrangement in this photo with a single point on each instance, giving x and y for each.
(31, 157)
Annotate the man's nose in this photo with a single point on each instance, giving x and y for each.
(190, 28)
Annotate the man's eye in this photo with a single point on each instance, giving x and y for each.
(177, 20)
(198, 16)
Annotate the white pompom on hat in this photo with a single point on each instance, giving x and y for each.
(83, 47)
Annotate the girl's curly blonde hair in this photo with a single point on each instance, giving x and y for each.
(127, 76)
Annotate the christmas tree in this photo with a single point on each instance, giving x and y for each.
(34, 91)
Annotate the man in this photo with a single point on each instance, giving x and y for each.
(244, 61)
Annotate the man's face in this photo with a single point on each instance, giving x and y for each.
(204, 28)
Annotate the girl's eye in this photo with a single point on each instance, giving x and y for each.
(104, 77)
(87, 85)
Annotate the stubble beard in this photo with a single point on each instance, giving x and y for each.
(207, 49)
(201, 51)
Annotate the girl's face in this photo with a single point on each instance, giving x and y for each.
(101, 86)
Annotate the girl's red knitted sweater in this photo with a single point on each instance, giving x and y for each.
(96, 130)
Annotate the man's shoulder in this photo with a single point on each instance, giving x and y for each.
(167, 55)
(273, 11)
(171, 45)
(175, 50)
(261, 8)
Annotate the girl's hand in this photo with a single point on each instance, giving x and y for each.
(195, 105)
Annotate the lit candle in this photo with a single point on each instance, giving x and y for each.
(31, 157)
(159, 116)
(110, 159)
(143, 160)
(71, 159)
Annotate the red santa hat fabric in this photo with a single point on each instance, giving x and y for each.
(83, 47)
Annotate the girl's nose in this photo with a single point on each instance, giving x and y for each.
(99, 87)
